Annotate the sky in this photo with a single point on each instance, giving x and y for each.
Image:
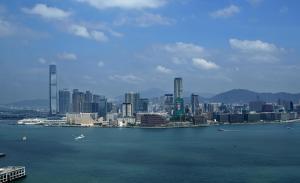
(116, 46)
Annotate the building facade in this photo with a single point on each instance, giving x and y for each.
(53, 106)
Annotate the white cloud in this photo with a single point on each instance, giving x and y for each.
(6, 28)
(67, 56)
(124, 4)
(163, 69)
(42, 60)
(226, 12)
(100, 64)
(255, 51)
(204, 64)
(129, 78)
(47, 12)
(184, 49)
(145, 20)
(82, 31)
(252, 46)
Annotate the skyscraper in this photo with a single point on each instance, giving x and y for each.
(194, 103)
(77, 101)
(53, 90)
(133, 98)
(178, 88)
(127, 110)
(168, 103)
(178, 99)
(143, 105)
(64, 101)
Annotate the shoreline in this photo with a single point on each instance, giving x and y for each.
(171, 126)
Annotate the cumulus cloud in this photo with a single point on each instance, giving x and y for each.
(225, 12)
(184, 49)
(204, 64)
(252, 46)
(163, 69)
(82, 31)
(255, 50)
(145, 20)
(67, 56)
(129, 78)
(124, 4)
(47, 12)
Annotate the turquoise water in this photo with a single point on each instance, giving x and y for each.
(249, 153)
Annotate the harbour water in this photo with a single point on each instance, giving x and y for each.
(242, 153)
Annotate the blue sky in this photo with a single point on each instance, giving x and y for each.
(111, 47)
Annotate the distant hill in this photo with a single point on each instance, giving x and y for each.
(30, 104)
(245, 96)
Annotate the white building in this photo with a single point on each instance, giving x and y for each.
(83, 119)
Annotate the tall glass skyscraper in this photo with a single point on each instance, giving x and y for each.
(53, 90)
(64, 101)
(194, 103)
(178, 88)
(133, 99)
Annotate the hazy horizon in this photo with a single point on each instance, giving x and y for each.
(110, 48)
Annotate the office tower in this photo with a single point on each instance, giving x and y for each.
(178, 88)
(133, 98)
(143, 105)
(178, 99)
(77, 101)
(194, 103)
(168, 103)
(53, 90)
(127, 109)
(109, 106)
(88, 99)
(103, 107)
(64, 101)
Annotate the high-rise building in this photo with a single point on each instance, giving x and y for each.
(133, 98)
(168, 103)
(53, 90)
(178, 88)
(143, 105)
(77, 101)
(127, 109)
(194, 103)
(64, 101)
(103, 108)
(178, 113)
(88, 99)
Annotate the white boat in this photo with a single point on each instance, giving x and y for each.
(31, 121)
(24, 138)
(79, 137)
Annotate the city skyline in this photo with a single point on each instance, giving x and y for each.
(117, 48)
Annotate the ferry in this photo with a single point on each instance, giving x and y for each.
(11, 173)
(31, 121)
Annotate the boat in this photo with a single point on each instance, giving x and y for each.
(221, 130)
(31, 121)
(79, 137)
(24, 138)
(11, 173)
(2, 155)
